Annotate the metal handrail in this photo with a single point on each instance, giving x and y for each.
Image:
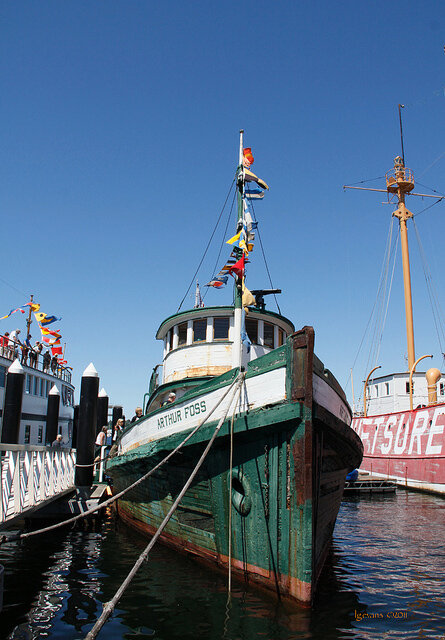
(11, 352)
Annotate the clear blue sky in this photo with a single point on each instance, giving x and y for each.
(119, 133)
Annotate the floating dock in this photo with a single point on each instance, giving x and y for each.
(366, 484)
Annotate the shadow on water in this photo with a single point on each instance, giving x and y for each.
(386, 557)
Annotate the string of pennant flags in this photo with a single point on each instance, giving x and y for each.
(243, 241)
(51, 338)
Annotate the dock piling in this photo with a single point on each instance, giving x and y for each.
(12, 404)
(52, 414)
(86, 432)
(102, 410)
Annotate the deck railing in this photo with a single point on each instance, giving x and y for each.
(13, 350)
(30, 475)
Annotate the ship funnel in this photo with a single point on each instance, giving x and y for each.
(432, 377)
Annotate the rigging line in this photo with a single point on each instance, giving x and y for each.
(223, 241)
(380, 295)
(434, 302)
(264, 258)
(363, 181)
(388, 298)
(208, 245)
(430, 188)
(429, 207)
(370, 315)
(432, 164)
(15, 288)
(108, 607)
(378, 318)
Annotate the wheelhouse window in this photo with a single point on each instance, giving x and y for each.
(170, 340)
(221, 328)
(387, 388)
(36, 386)
(40, 434)
(27, 433)
(182, 334)
(252, 330)
(441, 389)
(199, 330)
(407, 386)
(281, 337)
(268, 334)
(28, 383)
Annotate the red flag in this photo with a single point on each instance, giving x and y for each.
(247, 157)
(238, 267)
(56, 350)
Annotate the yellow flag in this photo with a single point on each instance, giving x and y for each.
(40, 316)
(249, 176)
(234, 239)
(35, 306)
(248, 297)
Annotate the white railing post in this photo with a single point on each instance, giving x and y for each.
(101, 468)
(29, 475)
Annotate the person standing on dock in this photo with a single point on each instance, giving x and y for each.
(57, 443)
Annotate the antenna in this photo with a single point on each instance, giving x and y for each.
(401, 106)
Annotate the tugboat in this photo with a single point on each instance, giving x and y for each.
(265, 499)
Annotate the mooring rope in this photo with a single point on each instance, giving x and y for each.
(109, 606)
(85, 466)
(229, 583)
(102, 505)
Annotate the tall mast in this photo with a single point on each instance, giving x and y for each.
(400, 181)
(237, 316)
(29, 320)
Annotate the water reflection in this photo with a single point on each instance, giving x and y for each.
(383, 578)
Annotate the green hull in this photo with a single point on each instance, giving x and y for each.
(290, 461)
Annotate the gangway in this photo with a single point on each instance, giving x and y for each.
(32, 477)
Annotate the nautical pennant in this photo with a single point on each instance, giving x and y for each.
(249, 176)
(21, 309)
(247, 157)
(44, 319)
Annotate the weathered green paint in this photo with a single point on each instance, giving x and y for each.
(292, 468)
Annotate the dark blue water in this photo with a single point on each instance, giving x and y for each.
(385, 578)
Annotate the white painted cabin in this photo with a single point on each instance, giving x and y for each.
(198, 344)
(388, 394)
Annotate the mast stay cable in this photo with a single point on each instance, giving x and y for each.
(376, 301)
(208, 245)
(223, 241)
(438, 315)
(264, 256)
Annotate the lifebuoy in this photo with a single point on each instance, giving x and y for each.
(241, 492)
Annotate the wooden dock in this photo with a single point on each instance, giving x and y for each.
(366, 484)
